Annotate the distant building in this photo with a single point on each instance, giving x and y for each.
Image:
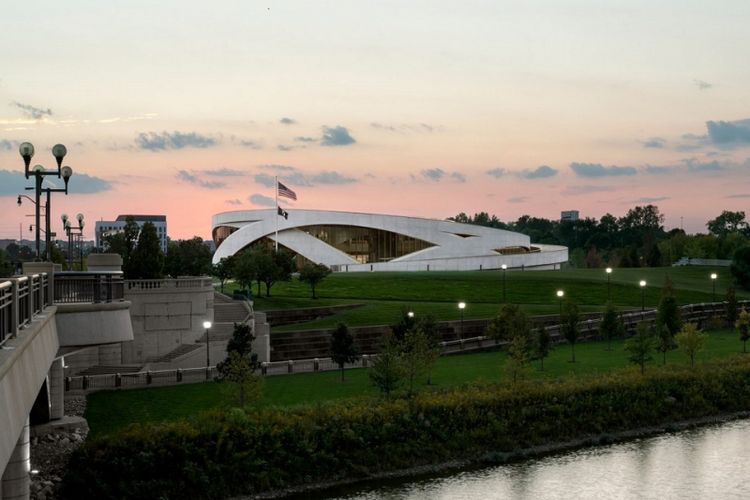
(105, 227)
(570, 215)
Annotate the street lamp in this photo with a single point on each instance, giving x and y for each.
(713, 282)
(461, 307)
(207, 326)
(26, 150)
(560, 295)
(504, 268)
(72, 231)
(410, 314)
(609, 274)
(642, 283)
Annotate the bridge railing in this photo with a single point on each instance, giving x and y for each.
(88, 287)
(21, 298)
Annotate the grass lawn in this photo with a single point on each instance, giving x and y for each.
(437, 293)
(108, 411)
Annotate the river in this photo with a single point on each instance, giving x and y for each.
(706, 463)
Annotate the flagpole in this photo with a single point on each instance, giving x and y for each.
(277, 214)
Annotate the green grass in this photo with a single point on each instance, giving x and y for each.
(108, 411)
(437, 293)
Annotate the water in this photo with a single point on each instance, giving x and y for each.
(707, 463)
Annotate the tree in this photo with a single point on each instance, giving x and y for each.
(243, 385)
(223, 270)
(343, 349)
(518, 356)
(569, 324)
(415, 356)
(147, 260)
(664, 341)
(387, 372)
(509, 322)
(188, 258)
(609, 327)
(727, 223)
(124, 243)
(406, 323)
(740, 267)
(731, 306)
(6, 267)
(313, 274)
(691, 341)
(244, 269)
(668, 311)
(640, 346)
(743, 326)
(273, 267)
(241, 342)
(543, 345)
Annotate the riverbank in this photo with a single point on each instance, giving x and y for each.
(275, 449)
(497, 458)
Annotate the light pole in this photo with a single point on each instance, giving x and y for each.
(504, 268)
(609, 292)
(73, 231)
(207, 327)
(26, 150)
(642, 284)
(461, 307)
(560, 295)
(410, 314)
(713, 282)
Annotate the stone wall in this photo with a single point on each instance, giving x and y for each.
(165, 314)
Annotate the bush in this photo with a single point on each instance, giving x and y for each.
(237, 452)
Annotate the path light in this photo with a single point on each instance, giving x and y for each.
(461, 307)
(410, 314)
(207, 327)
(642, 284)
(609, 275)
(504, 268)
(560, 295)
(713, 282)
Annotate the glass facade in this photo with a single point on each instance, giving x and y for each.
(221, 233)
(366, 245)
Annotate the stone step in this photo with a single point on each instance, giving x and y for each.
(229, 313)
(108, 370)
(181, 350)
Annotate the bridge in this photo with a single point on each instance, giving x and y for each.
(43, 317)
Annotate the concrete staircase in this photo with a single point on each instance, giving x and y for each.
(109, 370)
(176, 353)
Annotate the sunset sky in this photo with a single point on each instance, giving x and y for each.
(424, 108)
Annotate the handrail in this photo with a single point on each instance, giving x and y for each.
(21, 299)
(88, 287)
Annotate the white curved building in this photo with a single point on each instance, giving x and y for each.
(348, 241)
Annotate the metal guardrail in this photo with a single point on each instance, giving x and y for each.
(21, 298)
(88, 287)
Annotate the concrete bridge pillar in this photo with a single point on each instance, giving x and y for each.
(16, 483)
(56, 389)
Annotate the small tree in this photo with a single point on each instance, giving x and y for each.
(415, 354)
(691, 341)
(243, 384)
(743, 326)
(387, 372)
(245, 269)
(668, 311)
(664, 341)
(640, 346)
(343, 349)
(569, 325)
(507, 323)
(609, 326)
(241, 343)
(731, 306)
(517, 357)
(313, 274)
(406, 323)
(223, 270)
(543, 345)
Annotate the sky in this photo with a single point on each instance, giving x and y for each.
(421, 108)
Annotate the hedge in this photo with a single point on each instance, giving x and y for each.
(232, 452)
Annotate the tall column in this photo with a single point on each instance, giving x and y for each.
(56, 389)
(16, 483)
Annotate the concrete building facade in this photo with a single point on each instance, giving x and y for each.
(105, 227)
(350, 242)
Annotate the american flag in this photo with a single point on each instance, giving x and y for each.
(286, 192)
